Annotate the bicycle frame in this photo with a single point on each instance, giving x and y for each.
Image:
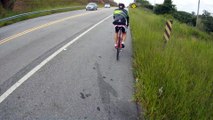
(119, 40)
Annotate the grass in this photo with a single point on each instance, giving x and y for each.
(175, 82)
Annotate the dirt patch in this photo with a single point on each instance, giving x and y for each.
(20, 6)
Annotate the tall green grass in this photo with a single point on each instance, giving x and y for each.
(175, 82)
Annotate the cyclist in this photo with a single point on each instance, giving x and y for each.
(121, 17)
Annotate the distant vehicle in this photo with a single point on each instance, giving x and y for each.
(107, 5)
(91, 6)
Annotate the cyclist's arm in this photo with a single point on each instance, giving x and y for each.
(127, 17)
(114, 14)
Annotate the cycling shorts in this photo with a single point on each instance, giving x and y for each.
(123, 29)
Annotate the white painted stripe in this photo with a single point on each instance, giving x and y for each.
(166, 37)
(168, 31)
(34, 70)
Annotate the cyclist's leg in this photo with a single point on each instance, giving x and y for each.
(116, 36)
(124, 35)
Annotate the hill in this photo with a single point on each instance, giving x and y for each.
(29, 5)
(13, 7)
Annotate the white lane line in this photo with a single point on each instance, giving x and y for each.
(34, 70)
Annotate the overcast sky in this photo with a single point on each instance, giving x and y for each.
(182, 5)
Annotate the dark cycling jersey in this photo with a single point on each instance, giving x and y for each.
(121, 17)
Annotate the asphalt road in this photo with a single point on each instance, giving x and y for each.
(63, 67)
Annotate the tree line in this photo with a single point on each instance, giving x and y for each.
(7, 4)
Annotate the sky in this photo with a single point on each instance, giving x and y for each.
(182, 5)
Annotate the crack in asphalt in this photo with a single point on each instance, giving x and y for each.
(105, 90)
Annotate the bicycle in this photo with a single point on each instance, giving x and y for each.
(119, 41)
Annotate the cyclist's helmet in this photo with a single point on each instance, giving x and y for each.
(121, 6)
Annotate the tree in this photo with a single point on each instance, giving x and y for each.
(166, 7)
(167, 2)
(206, 13)
(193, 13)
(7, 4)
(185, 17)
(207, 20)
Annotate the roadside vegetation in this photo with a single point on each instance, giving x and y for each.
(204, 23)
(58, 10)
(174, 82)
(23, 6)
(13, 7)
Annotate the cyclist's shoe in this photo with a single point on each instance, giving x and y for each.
(123, 46)
(116, 46)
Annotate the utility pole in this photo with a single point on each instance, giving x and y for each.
(198, 13)
(154, 6)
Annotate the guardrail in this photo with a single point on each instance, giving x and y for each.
(36, 12)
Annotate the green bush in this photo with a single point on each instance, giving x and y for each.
(149, 6)
(185, 17)
(165, 8)
(207, 20)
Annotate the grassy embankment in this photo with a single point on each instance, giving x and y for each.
(174, 83)
(36, 5)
